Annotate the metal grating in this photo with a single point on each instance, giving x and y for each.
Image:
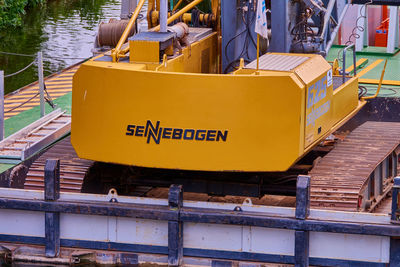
(277, 62)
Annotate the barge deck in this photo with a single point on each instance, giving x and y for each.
(41, 222)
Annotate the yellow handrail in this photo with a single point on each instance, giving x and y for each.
(379, 86)
(115, 52)
(178, 14)
(177, 5)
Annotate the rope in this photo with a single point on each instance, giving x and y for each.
(16, 54)
(26, 55)
(48, 99)
(21, 70)
(20, 105)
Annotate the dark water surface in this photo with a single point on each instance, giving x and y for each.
(64, 30)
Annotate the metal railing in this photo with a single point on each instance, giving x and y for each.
(39, 59)
(344, 61)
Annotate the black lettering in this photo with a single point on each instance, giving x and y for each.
(177, 134)
(139, 131)
(222, 136)
(167, 133)
(153, 132)
(211, 135)
(188, 137)
(130, 130)
(200, 135)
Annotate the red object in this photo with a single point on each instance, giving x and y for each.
(381, 34)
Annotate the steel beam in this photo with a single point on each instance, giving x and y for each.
(362, 27)
(395, 200)
(301, 249)
(303, 197)
(228, 25)
(52, 219)
(175, 227)
(280, 37)
(377, 2)
(393, 31)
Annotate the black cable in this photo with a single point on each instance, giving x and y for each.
(393, 91)
(248, 21)
(20, 105)
(362, 91)
(48, 99)
(354, 31)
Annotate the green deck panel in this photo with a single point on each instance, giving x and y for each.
(392, 69)
(5, 167)
(376, 51)
(27, 117)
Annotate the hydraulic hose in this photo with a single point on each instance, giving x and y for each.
(379, 86)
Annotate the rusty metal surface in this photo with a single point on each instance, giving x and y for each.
(72, 168)
(339, 178)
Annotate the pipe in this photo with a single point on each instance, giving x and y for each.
(379, 86)
(122, 40)
(178, 14)
(344, 61)
(327, 17)
(177, 5)
(336, 29)
(163, 15)
(187, 17)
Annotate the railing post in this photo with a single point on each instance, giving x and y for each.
(301, 248)
(395, 242)
(52, 219)
(41, 83)
(1, 105)
(302, 197)
(395, 198)
(175, 227)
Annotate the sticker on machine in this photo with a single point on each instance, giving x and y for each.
(329, 78)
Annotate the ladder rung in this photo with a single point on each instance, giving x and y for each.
(13, 148)
(38, 134)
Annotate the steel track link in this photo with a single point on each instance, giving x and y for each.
(358, 173)
(72, 168)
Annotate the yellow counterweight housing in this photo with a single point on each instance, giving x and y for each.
(176, 116)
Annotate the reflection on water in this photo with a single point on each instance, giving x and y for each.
(63, 29)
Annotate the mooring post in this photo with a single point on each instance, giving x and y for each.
(175, 227)
(301, 250)
(1, 105)
(41, 83)
(52, 219)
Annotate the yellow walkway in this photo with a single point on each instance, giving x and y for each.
(57, 85)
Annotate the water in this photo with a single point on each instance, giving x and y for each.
(64, 30)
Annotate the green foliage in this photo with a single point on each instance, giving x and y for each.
(11, 11)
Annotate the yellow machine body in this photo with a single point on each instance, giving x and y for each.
(181, 114)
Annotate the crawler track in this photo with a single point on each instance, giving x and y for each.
(72, 168)
(358, 173)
